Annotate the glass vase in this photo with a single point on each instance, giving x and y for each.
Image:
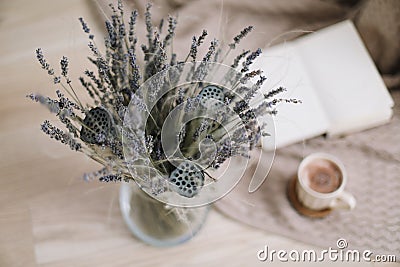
(156, 223)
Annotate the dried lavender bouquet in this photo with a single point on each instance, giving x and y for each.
(142, 115)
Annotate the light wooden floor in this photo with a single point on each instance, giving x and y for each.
(48, 215)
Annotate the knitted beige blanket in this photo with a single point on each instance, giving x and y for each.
(372, 159)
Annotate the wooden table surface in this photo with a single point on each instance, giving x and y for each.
(48, 215)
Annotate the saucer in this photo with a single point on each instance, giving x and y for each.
(298, 206)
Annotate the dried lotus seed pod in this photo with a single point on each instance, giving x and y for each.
(212, 95)
(97, 126)
(187, 179)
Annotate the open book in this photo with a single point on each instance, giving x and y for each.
(331, 72)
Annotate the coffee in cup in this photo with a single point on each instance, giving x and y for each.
(322, 176)
(321, 179)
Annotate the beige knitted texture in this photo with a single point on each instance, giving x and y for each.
(372, 160)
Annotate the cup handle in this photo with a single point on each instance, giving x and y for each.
(344, 201)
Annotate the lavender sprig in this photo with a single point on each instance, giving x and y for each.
(59, 135)
(240, 36)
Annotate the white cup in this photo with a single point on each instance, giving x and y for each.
(337, 199)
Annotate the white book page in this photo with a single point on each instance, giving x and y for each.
(345, 78)
(294, 122)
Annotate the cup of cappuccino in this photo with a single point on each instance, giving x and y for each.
(321, 179)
